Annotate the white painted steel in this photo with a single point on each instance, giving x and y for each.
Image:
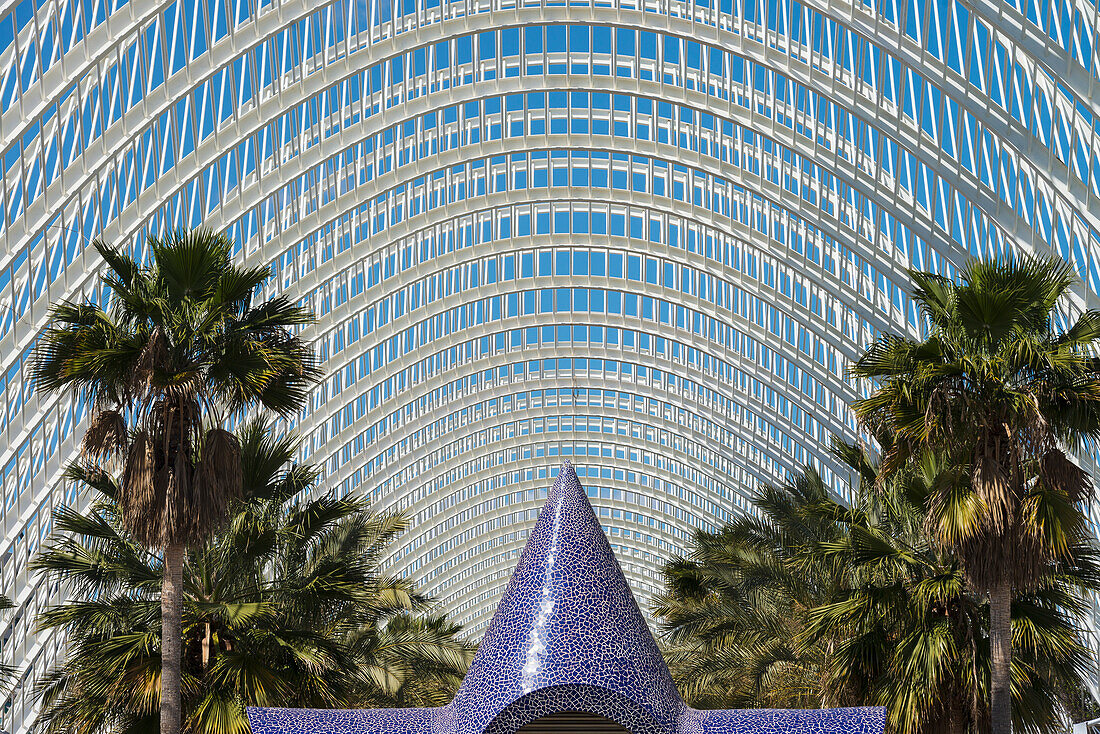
(820, 151)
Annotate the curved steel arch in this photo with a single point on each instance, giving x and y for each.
(280, 222)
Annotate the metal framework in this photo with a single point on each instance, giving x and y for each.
(645, 235)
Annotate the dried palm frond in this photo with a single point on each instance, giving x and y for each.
(217, 480)
(1063, 474)
(181, 496)
(1022, 555)
(153, 356)
(185, 385)
(177, 421)
(992, 483)
(142, 500)
(220, 466)
(184, 509)
(105, 437)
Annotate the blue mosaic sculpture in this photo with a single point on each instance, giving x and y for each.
(567, 636)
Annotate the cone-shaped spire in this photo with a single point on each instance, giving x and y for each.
(568, 618)
(567, 636)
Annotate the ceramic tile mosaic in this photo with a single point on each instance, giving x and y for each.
(567, 636)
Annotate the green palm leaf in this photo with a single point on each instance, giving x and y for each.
(284, 606)
(815, 603)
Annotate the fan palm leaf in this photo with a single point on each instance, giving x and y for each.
(998, 388)
(283, 605)
(180, 348)
(818, 603)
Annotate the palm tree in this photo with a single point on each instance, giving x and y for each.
(734, 609)
(415, 661)
(283, 606)
(180, 348)
(820, 603)
(999, 388)
(908, 615)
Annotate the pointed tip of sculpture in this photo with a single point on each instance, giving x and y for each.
(567, 490)
(568, 618)
(566, 478)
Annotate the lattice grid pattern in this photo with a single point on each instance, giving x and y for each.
(648, 235)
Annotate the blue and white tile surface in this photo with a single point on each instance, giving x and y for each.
(567, 636)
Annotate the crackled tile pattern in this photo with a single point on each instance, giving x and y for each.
(567, 636)
(567, 618)
(573, 697)
(783, 721)
(357, 721)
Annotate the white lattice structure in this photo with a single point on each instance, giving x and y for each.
(680, 221)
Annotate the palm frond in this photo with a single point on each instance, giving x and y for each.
(284, 605)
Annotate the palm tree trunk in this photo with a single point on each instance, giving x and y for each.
(171, 637)
(956, 714)
(1000, 644)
